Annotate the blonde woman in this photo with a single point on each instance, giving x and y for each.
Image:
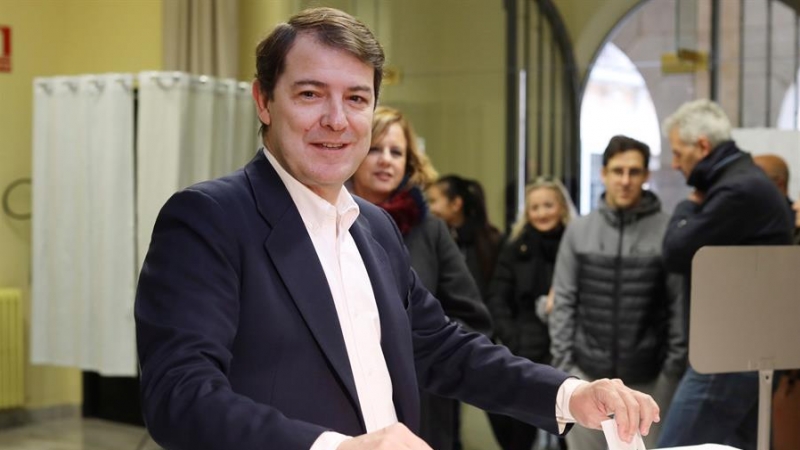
(520, 294)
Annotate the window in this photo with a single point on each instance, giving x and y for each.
(616, 101)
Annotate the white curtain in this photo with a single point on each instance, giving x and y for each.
(83, 223)
(94, 207)
(191, 128)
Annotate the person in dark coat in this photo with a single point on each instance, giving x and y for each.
(520, 295)
(461, 203)
(733, 203)
(276, 310)
(393, 176)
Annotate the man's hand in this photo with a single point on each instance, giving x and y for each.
(697, 197)
(593, 402)
(393, 437)
(551, 296)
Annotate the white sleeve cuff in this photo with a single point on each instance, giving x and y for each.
(564, 395)
(329, 440)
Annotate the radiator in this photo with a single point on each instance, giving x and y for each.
(12, 389)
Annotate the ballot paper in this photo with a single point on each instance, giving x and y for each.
(613, 440)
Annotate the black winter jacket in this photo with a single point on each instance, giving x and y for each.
(523, 274)
(741, 206)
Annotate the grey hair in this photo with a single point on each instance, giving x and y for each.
(699, 118)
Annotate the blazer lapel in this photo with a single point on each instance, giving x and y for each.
(292, 252)
(395, 332)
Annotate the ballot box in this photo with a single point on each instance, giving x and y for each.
(745, 310)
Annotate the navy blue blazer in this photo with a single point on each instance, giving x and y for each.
(239, 341)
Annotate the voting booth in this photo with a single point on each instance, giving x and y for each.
(745, 316)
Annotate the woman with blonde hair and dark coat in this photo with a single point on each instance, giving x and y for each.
(520, 294)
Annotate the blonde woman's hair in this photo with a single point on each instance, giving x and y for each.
(419, 170)
(545, 182)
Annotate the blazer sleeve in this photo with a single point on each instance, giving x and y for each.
(186, 310)
(453, 362)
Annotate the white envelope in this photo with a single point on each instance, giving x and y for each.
(613, 440)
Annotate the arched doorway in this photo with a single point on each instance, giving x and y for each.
(750, 55)
(616, 101)
(789, 114)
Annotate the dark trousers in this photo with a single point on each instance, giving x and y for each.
(512, 434)
(440, 422)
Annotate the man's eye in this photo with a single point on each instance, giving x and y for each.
(308, 94)
(358, 99)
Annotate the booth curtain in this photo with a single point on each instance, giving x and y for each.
(108, 151)
(83, 276)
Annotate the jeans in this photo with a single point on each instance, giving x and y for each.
(713, 409)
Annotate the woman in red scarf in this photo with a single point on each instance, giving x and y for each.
(393, 176)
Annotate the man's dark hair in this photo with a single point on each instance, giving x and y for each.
(620, 143)
(329, 26)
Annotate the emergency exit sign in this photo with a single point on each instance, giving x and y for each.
(5, 48)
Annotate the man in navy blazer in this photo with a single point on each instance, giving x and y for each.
(274, 310)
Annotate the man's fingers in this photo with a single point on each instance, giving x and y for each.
(649, 413)
(406, 438)
(634, 411)
(628, 418)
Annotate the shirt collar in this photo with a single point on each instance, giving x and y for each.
(314, 210)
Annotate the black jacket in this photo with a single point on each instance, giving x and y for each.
(741, 206)
(523, 274)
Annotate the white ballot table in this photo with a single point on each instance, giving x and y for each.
(701, 447)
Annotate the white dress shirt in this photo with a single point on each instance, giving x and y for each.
(329, 228)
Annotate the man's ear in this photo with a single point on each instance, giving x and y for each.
(604, 174)
(705, 146)
(262, 103)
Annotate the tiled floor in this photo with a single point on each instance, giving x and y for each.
(76, 434)
(95, 434)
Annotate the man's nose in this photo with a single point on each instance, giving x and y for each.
(334, 116)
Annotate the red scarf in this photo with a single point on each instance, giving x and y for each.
(405, 209)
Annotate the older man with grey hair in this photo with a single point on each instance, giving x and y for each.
(733, 203)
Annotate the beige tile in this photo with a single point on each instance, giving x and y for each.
(76, 434)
